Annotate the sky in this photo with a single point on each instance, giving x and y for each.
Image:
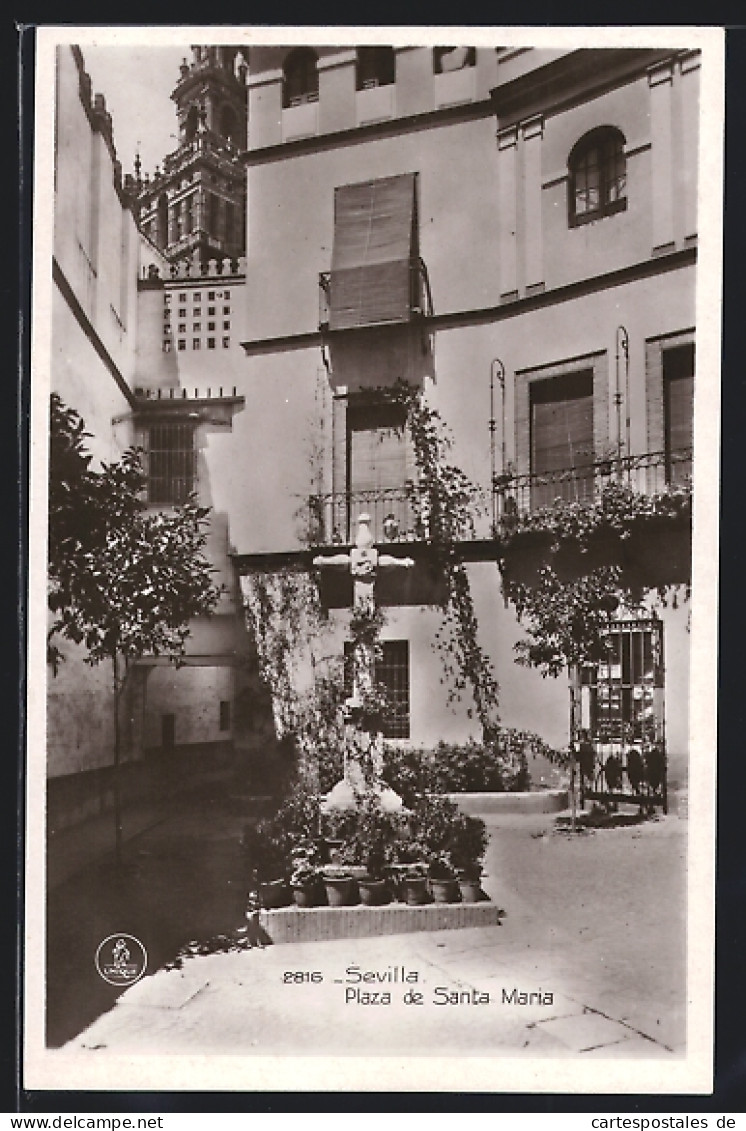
(137, 83)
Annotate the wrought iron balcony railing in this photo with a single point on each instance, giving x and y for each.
(649, 473)
(402, 514)
(394, 516)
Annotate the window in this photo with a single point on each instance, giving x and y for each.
(211, 343)
(211, 310)
(226, 310)
(374, 252)
(210, 325)
(226, 343)
(562, 451)
(621, 699)
(453, 58)
(171, 461)
(597, 176)
(225, 714)
(226, 325)
(377, 467)
(392, 672)
(196, 343)
(300, 79)
(181, 344)
(375, 67)
(197, 326)
(678, 411)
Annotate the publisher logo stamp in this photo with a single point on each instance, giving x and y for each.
(121, 960)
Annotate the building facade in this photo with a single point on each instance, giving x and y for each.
(510, 231)
(514, 232)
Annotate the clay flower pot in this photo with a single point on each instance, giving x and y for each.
(445, 891)
(274, 894)
(340, 890)
(374, 892)
(311, 894)
(415, 890)
(470, 888)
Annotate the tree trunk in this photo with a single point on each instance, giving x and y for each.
(117, 756)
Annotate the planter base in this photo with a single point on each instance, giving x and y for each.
(318, 924)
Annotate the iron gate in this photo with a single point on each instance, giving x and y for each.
(618, 726)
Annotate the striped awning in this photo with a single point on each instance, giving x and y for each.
(375, 241)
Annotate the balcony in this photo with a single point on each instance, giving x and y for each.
(332, 517)
(651, 473)
(403, 514)
(419, 303)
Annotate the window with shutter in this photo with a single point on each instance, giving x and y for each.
(678, 408)
(562, 450)
(375, 248)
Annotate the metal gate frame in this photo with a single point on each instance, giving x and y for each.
(620, 748)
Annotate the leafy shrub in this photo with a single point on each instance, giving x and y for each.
(497, 766)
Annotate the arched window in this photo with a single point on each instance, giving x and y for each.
(453, 58)
(375, 67)
(300, 78)
(598, 176)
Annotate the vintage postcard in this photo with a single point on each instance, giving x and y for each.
(374, 497)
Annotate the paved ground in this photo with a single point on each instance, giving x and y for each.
(594, 920)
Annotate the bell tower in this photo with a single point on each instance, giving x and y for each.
(194, 207)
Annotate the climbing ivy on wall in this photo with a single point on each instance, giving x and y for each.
(445, 503)
(566, 607)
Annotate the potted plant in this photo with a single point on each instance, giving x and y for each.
(374, 887)
(373, 846)
(305, 880)
(340, 886)
(269, 862)
(467, 844)
(414, 885)
(443, 883)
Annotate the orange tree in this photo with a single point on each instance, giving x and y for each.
(123, 581)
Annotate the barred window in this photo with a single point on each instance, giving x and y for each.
(598, 176)
(171, 461)
(392, 672)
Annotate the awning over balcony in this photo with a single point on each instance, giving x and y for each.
(375, 241)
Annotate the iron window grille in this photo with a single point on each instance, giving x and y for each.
(171, 460)
(392, 674)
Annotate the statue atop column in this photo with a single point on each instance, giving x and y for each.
(364, 561)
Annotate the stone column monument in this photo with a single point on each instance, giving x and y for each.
(364, 561)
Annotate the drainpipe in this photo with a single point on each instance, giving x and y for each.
(497, 369)
(622, 356)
